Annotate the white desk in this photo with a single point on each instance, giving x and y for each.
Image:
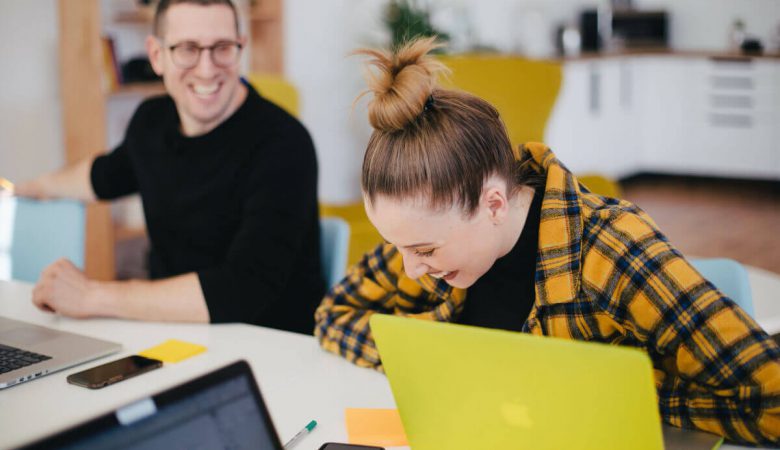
(298, 380)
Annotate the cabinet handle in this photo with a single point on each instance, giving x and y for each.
(625, 86)
(721, 120)
(595, 90)
(731, 101)
(731, 82)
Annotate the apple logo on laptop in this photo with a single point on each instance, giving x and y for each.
(516, 414)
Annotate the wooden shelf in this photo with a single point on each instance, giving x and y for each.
(125, 233)
(266, 31)
(83, 118)
(143, 16)
(146, 89)
(262, 17)
(265, 9)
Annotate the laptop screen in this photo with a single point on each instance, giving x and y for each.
(222, 409)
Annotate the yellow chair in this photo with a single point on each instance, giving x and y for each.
(601, 185)
(523, 91)
(277, 89)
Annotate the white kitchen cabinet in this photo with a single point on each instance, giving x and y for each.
(666, 111)
(671, 114)
(737, 117)
(591, 128)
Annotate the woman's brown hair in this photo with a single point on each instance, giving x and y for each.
(428, 141)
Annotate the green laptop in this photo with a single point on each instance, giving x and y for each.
(462, 387)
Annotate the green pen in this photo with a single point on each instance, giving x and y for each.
(299, 435)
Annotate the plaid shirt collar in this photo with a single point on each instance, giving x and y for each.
(560, 229)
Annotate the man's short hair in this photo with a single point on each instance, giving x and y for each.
(163, 5)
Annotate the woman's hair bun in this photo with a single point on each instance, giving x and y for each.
(401, 81)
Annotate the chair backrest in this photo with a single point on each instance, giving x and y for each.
(38, 233)
(524, 91)
(730, 277)
(600, 184)
(276, 89)
(334, 245)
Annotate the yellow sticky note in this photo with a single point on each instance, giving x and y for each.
(173, 351)
(372, 426)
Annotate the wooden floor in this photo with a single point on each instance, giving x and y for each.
(714, 218)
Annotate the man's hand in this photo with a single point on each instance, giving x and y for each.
(64, 289)
(70, 182)
(32, 189)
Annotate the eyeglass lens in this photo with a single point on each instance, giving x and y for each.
(223, 54)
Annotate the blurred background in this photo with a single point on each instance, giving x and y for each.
(674, 105)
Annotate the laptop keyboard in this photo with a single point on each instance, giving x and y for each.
(12, 358)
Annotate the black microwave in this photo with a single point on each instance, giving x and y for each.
(639, 29)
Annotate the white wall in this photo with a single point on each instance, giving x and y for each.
(694, 24)
(30, 109)
(705, 24)
(318, 39)
(516, 26)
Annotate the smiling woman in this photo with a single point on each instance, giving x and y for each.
(482, 234)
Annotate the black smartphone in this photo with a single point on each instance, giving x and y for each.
(114, 372)
(337, 446)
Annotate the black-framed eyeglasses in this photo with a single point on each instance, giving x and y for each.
(223, 53)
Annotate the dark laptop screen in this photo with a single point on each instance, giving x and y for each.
(220, 410)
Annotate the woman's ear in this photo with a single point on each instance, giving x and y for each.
(494, 201)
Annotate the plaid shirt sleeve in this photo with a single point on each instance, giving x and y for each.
(716, 369)
(378, 284)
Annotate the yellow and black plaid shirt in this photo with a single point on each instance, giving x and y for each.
(604, 273)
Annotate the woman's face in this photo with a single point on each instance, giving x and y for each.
(443, 244)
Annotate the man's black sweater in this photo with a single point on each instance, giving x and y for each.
(237, 205)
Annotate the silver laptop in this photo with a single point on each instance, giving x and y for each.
(29, 351)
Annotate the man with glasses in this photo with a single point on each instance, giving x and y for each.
(229, 188)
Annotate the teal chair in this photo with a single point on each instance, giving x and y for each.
(38, 233)
(730, 277)
(334, 246)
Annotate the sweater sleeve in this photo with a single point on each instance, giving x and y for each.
(112, 174)
(279, 212)
(378, 284)
(715, 368)
(342, 317)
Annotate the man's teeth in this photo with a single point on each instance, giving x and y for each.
(440, 274)
(205, 90)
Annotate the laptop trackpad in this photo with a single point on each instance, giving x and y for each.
(28, 336)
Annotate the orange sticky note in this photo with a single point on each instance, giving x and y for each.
(372, 426)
